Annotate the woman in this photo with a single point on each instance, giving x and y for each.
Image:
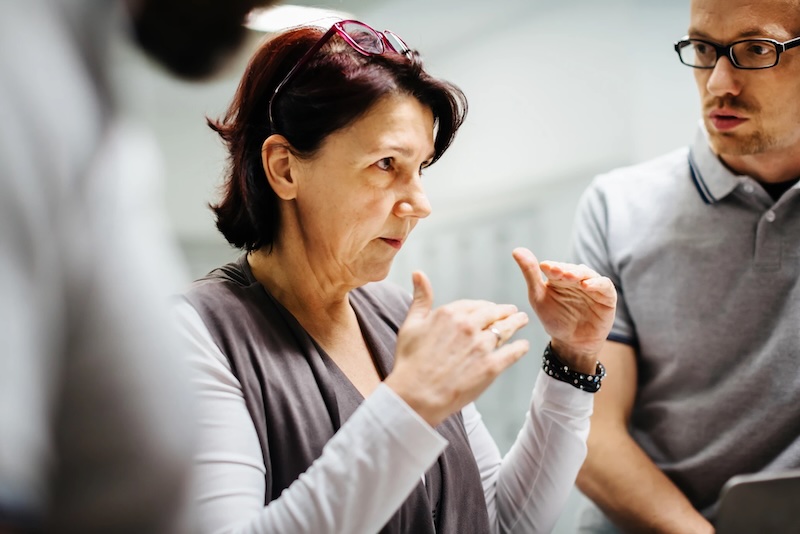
(320, 389)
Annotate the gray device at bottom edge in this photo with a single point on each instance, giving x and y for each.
(760, 503)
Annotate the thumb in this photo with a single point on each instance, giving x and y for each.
(423, 295)
(529, 266)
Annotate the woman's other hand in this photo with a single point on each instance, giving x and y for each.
(574, 304)
(446, 357)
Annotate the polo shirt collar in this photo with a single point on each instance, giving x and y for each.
(714, 181)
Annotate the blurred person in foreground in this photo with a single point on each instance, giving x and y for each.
(704, 247)
(95, 426)
(333, 402)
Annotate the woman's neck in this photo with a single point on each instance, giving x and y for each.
(319, 304)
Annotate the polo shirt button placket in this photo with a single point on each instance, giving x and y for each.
(768, 243)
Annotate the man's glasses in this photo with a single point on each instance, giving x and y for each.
(745, 54)
(361, 37)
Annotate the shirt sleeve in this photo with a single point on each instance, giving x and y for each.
(364, 474)
(590, 246)
(526, 491)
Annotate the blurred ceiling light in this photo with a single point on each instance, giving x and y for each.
(278, 18)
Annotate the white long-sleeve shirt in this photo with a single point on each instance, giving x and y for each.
(376, 458)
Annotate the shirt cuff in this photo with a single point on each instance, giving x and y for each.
(562, 396)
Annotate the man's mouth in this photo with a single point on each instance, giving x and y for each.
(726, 119)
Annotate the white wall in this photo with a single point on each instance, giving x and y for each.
(558, 91)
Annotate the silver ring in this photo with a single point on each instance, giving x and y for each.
(497, 334)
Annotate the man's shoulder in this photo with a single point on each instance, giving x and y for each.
(662, 170)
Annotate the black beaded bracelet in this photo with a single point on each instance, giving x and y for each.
(555, 367)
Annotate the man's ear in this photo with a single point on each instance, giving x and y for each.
(278, 163)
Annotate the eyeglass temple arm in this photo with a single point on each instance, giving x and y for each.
(791, 44)
(300, 63)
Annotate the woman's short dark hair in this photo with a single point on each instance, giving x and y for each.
(332, 90)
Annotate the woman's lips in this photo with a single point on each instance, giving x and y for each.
(394, 243)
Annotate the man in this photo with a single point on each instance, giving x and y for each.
(95, 419)
(704, 247)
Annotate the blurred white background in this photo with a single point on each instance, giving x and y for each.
(558, 92)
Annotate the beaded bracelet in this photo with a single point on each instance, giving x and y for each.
(555, 367)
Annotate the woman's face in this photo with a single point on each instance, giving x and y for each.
(361, 195)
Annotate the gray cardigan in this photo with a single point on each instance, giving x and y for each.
(298, 398)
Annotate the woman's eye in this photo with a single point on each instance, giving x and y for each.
(384, 164)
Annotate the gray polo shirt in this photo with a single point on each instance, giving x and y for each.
(707, 267)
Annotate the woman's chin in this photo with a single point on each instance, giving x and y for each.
(377, 273)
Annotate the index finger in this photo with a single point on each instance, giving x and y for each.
(556, 270)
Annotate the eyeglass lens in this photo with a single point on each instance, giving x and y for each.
(747, 54)
(371, 41)
(364, 37)
(394, 40)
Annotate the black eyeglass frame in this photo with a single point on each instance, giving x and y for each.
(338, 28)
(727, 51)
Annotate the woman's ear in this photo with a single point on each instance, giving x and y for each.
(278, 163)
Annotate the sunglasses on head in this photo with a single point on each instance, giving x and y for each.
(362, 38)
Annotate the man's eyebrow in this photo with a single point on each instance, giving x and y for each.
(752, 32)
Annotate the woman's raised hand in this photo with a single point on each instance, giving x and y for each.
(575, 306)
(446, 357)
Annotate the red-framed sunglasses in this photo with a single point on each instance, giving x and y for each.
(362, 38)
